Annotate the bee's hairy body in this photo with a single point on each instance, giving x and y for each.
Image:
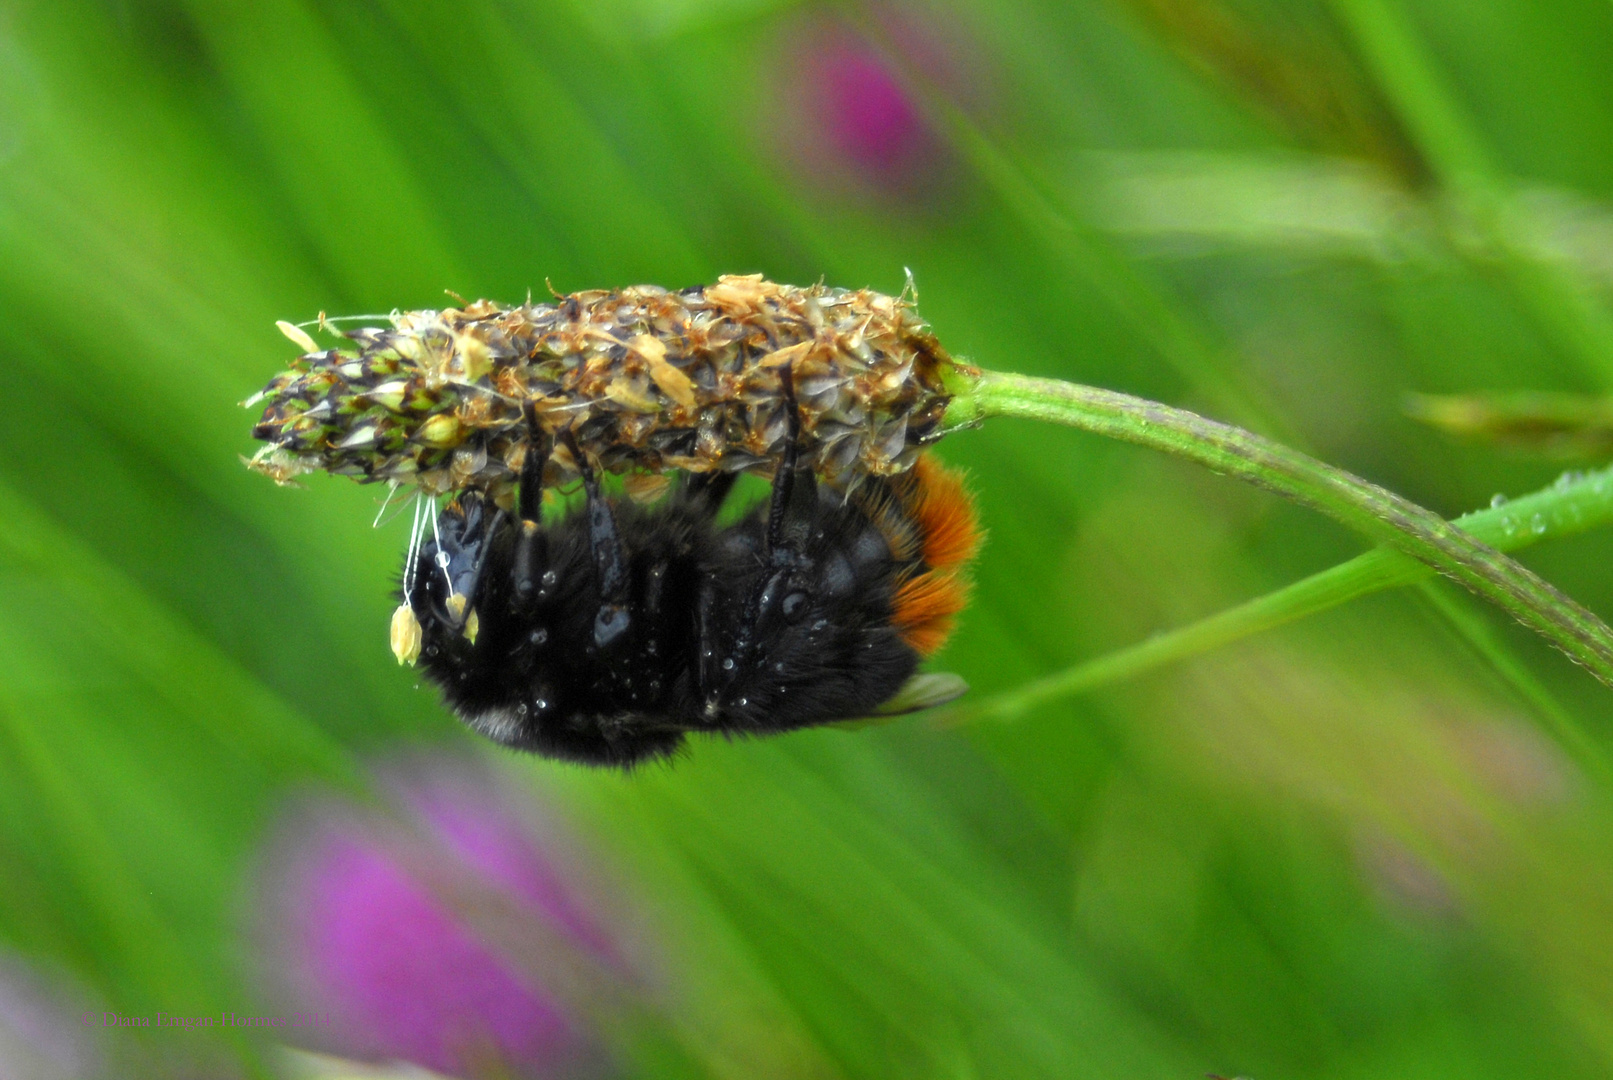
(609, 635)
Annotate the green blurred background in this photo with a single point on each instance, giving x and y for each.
(1349, 848)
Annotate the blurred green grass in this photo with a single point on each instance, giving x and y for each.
(1343, 849)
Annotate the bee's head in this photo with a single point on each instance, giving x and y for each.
(443, 574)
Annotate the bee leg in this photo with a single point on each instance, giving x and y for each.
(538, 448)
(532, 545)
(789, 522)
(784, 474)
(466, 537)
(610, 561)
(709, 489)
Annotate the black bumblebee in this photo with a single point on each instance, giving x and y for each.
(606, 637)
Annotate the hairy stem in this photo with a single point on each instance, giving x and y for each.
(1378, 514)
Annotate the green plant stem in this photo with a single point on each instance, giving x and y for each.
(1381, 515)
(1558, 511)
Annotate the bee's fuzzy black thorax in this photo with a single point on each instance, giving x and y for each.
(527, 672)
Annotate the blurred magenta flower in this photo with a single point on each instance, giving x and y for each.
(868, 117)
(434, 934)
(849, 115)
(457, 803)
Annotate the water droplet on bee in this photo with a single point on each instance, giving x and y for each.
(728, 663)
(539, 636)
(550, 579)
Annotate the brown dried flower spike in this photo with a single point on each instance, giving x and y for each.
(647, 380)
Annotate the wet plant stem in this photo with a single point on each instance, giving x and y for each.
(1382, 516)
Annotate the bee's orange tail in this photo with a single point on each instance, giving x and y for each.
(942, 511)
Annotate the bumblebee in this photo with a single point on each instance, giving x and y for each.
(608, 636)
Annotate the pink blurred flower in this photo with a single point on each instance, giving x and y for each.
(848, 114)
(396, 931)
(866, 114)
